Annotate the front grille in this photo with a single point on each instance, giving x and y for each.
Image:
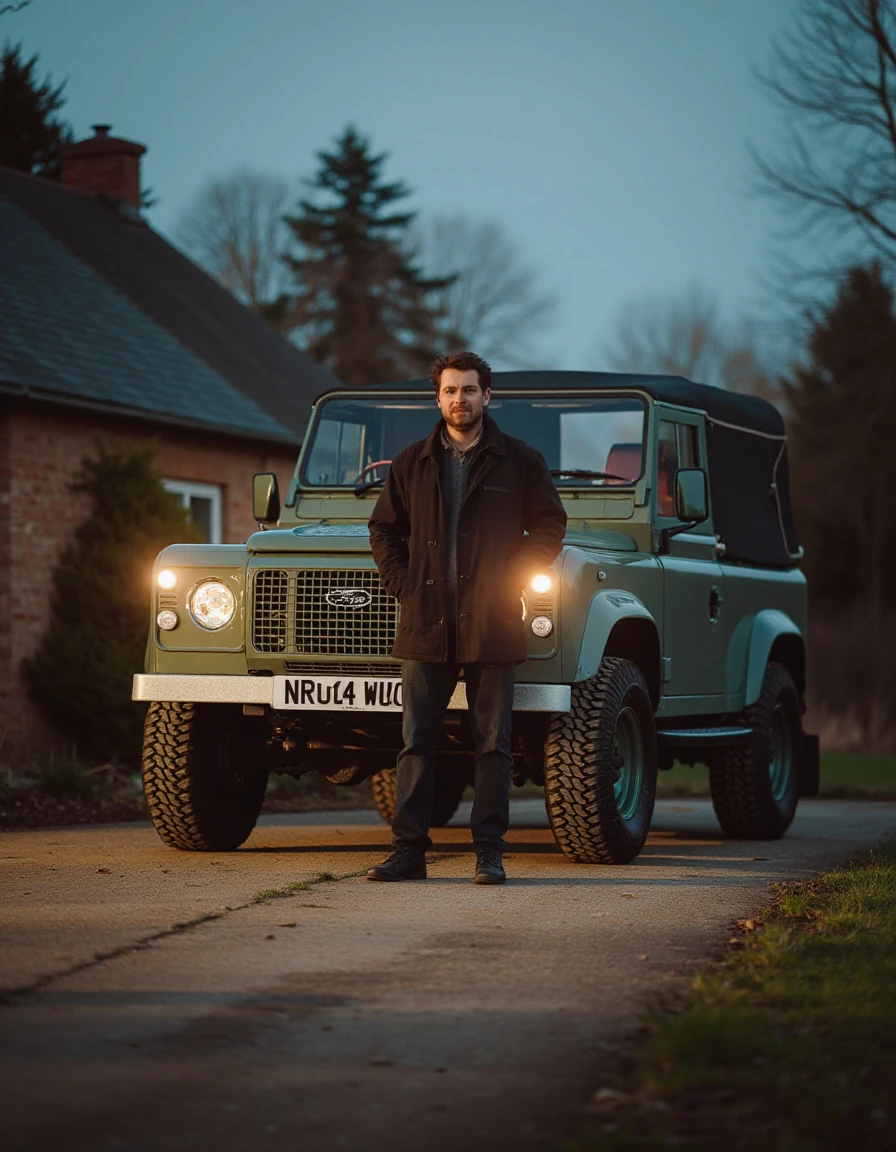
(269, 617)
(291, 613)
(342, 667)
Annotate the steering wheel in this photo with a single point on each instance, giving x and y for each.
(359, 479)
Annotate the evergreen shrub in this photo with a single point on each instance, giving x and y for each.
(81, 673)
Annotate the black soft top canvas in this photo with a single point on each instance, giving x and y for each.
(748, 472)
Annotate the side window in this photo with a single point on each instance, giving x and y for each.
(687, 446)
(203, 505)
(666, 467)
(677, 449)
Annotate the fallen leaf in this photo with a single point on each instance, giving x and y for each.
(628, 896)
(270, 936)
(104, 870)
(607, 1099)
(287, 924)
(643, 956)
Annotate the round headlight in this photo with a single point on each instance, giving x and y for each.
(212, 604)
(542, 582)
(167, 579)
(167, 620)
(542, 626)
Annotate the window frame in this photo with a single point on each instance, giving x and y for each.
(186, 489)
(696, 421)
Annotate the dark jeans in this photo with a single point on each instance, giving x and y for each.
(426, 692)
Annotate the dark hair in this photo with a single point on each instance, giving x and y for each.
(463, 362)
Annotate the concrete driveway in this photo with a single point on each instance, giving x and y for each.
(151, 1002)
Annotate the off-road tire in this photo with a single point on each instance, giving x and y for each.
(740, 777)
(382, 789)
(580, 767)
(449, 788)
(202, 774)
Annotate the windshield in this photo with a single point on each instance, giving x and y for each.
(354, 440)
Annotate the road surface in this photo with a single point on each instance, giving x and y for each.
(157, 1000)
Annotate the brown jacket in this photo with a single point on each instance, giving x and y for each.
(509, 492)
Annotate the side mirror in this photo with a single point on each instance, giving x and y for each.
(691, 497)
(265, 498)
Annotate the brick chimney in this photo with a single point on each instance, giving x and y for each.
(105, 165)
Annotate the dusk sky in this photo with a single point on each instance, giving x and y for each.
(608, 138)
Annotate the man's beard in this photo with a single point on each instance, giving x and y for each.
(463, 421)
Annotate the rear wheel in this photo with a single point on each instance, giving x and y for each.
(755, 786)
(601, 766)
(203, 774)
(448, 790)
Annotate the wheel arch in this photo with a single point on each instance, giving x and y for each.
(775, 637)
(618, 624)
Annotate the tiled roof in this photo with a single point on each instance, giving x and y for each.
(65, 332)
(97, 309)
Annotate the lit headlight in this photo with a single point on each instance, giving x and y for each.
(542, 583)
(212, 604)
(167, 579)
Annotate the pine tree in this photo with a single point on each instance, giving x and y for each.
(842, 406)
(31, 135)
(81, 673)
(360, 306)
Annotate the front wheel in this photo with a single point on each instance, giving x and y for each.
(203, 774)
(601, 766)
(755, 786)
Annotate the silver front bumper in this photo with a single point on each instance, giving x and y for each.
(260, 690)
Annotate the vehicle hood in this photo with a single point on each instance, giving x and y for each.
(322, 536)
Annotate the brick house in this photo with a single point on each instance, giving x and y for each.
(108, 333)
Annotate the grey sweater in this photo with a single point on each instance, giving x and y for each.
(455, 468)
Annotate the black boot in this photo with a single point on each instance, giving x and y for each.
(489, 869)
(405, 863)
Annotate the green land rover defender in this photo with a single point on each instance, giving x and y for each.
(671, 626)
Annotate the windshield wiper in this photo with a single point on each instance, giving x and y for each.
(584, 474)
(362, 488)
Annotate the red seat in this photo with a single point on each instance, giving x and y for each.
(624, 460)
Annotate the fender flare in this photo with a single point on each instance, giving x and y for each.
(770, 624)
(606, 610)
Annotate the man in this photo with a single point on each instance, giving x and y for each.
(448, 538)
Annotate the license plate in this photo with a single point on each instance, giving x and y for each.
(341, 693)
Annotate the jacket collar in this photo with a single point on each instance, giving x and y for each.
(492, 438)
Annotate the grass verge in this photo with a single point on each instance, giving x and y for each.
(789, 1044)
(844, 775)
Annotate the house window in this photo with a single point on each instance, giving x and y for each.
(203, 505)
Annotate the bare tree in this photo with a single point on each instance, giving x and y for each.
(833, 75)
(234, 229)
(8, 9)
(686, 337)
(493, 304)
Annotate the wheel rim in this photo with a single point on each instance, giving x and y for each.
(630, 751)
(781, 761)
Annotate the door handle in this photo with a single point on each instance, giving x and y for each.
(716, 599)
